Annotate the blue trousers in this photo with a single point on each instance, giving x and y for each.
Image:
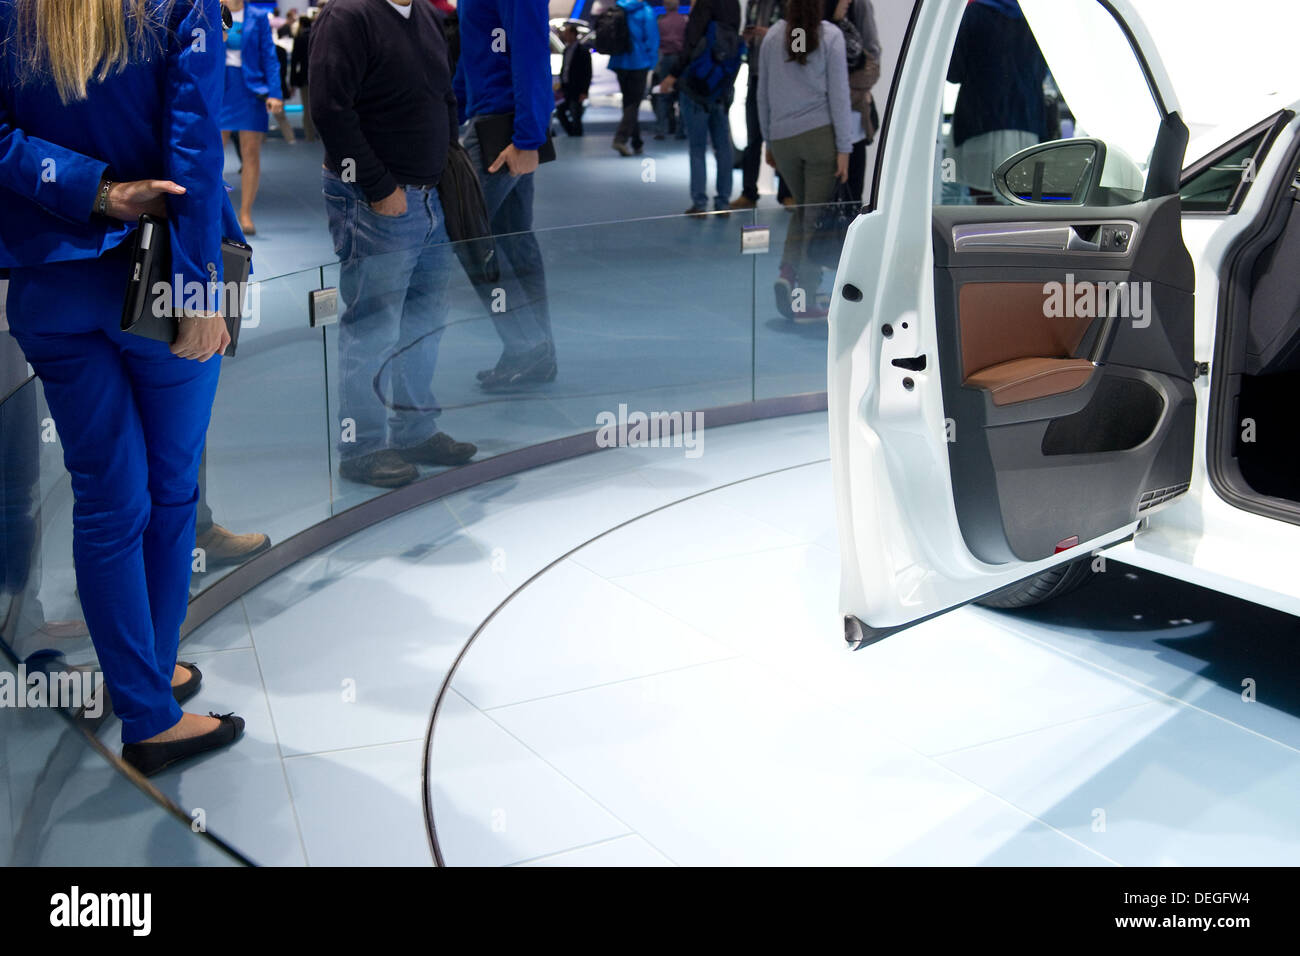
(526, 321)
(132, 419)
(705, 122)
(393, 278)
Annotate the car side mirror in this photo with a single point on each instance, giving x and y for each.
(1063, 172)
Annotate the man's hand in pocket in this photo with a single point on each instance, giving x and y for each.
(394, 204)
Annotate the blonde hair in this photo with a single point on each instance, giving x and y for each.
(71, 42)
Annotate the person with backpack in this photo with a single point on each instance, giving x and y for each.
(706, 74)
(808, 124)
(631, 65)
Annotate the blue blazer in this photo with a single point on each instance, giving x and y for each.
(257, 53)
(156, 119)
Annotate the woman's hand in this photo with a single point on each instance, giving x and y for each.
(842, 167)
(274, 105)
(129, 201)
(769, 158)
(202, 336)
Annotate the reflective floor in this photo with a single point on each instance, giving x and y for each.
(677, 691)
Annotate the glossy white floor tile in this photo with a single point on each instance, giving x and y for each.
(362, 807)
(793, 500)
(581, 632)
(1170, 785)
(979, 681)
(539, 519)
(224, 631)
(359, 661)
(496, 802)
(722, 764)
(694, 531)
(623, 851)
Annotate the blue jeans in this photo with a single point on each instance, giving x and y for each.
(132, 418)
(394, 274)
(705, 122)
(526, 322)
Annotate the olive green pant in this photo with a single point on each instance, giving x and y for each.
(807, 164)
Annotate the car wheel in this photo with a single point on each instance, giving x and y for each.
(1046, 586)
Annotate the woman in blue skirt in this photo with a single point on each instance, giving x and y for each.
(252, 91)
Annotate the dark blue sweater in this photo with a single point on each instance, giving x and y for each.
(1001, 72)
(505, 65)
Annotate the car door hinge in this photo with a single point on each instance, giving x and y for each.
(1202, 370)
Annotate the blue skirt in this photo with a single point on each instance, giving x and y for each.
(240, 107)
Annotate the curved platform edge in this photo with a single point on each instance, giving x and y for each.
(230, 588)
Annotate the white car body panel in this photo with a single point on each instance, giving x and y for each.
(1201, 537)
(903, 554)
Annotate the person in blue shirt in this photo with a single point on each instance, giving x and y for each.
(252, 90)
(504, 74)
(87, 145)
(631, 68)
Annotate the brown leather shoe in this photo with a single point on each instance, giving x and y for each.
(743, 202)
(224, 548)
(439, 450)
(383, 469)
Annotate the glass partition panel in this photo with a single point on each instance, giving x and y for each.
(793, 282)
(648, 316)
(266, 468)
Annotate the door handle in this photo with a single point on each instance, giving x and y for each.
(1078, 242)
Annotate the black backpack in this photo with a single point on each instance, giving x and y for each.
(612, 34)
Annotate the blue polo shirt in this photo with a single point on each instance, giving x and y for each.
(505, 65)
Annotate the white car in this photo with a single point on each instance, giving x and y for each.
(1102, 364)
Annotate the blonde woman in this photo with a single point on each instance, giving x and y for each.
(108, 109)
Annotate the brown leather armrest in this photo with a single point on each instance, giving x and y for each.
(1022, 380)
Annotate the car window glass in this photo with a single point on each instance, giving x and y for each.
(1214, 188)
(1033, 71)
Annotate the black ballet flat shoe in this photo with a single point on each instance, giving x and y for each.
(150, 759)
(183, 692)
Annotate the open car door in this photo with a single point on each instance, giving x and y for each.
(1010, 379)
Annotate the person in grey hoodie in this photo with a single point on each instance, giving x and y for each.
(807, 122)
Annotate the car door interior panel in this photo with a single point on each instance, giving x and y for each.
(1065, 356)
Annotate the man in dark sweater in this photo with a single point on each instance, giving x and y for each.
(706, 120)
(383, 104)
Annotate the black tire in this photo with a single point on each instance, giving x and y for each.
(1047, 586)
